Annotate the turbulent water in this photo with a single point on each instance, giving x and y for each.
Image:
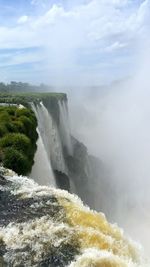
(42, 226)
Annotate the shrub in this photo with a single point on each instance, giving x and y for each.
(23, 112)
(16, 161)
(1, 155)
(19, 127)
(11, 110)
(3, 130)
(10, 127)
(28, 113)
(17, 141)
(4, 117)
(30, 127)
(26, 120)
(18, 137)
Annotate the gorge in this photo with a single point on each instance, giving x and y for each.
(42, 226)
(67, 163)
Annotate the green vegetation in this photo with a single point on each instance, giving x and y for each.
(17, 138)
(16, 161)
(23, 93)
(18, 126)
(50, 100)
(26, 98)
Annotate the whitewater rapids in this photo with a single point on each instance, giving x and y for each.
(43, 226)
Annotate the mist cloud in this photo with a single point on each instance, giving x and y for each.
(114, 122)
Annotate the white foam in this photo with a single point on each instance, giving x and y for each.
(42, 233)
(96, 258)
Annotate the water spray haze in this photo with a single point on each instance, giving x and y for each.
(116, 127)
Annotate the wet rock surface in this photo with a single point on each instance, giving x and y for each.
(62, 180)
(3, 181)
(60, 256)
(2, 248)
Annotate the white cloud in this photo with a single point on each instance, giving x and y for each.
(115, 46)
(96, 27)
(21, 57)
(97, 20)
(36, 2)
(23, 19)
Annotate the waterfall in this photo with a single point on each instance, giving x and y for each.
(50, 138)
(42, 170)
(65, 127)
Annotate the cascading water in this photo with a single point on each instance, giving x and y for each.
(63, 151)
(65, 127)
(42, 171)
(50, 138)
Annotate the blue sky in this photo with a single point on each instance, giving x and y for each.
(71, 42)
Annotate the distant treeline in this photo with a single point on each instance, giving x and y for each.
(18, 87)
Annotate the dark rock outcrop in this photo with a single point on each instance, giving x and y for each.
(62, 180)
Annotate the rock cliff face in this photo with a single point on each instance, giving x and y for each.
(79, 171)
(68, 157)
(65, 158)
(41, 226)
